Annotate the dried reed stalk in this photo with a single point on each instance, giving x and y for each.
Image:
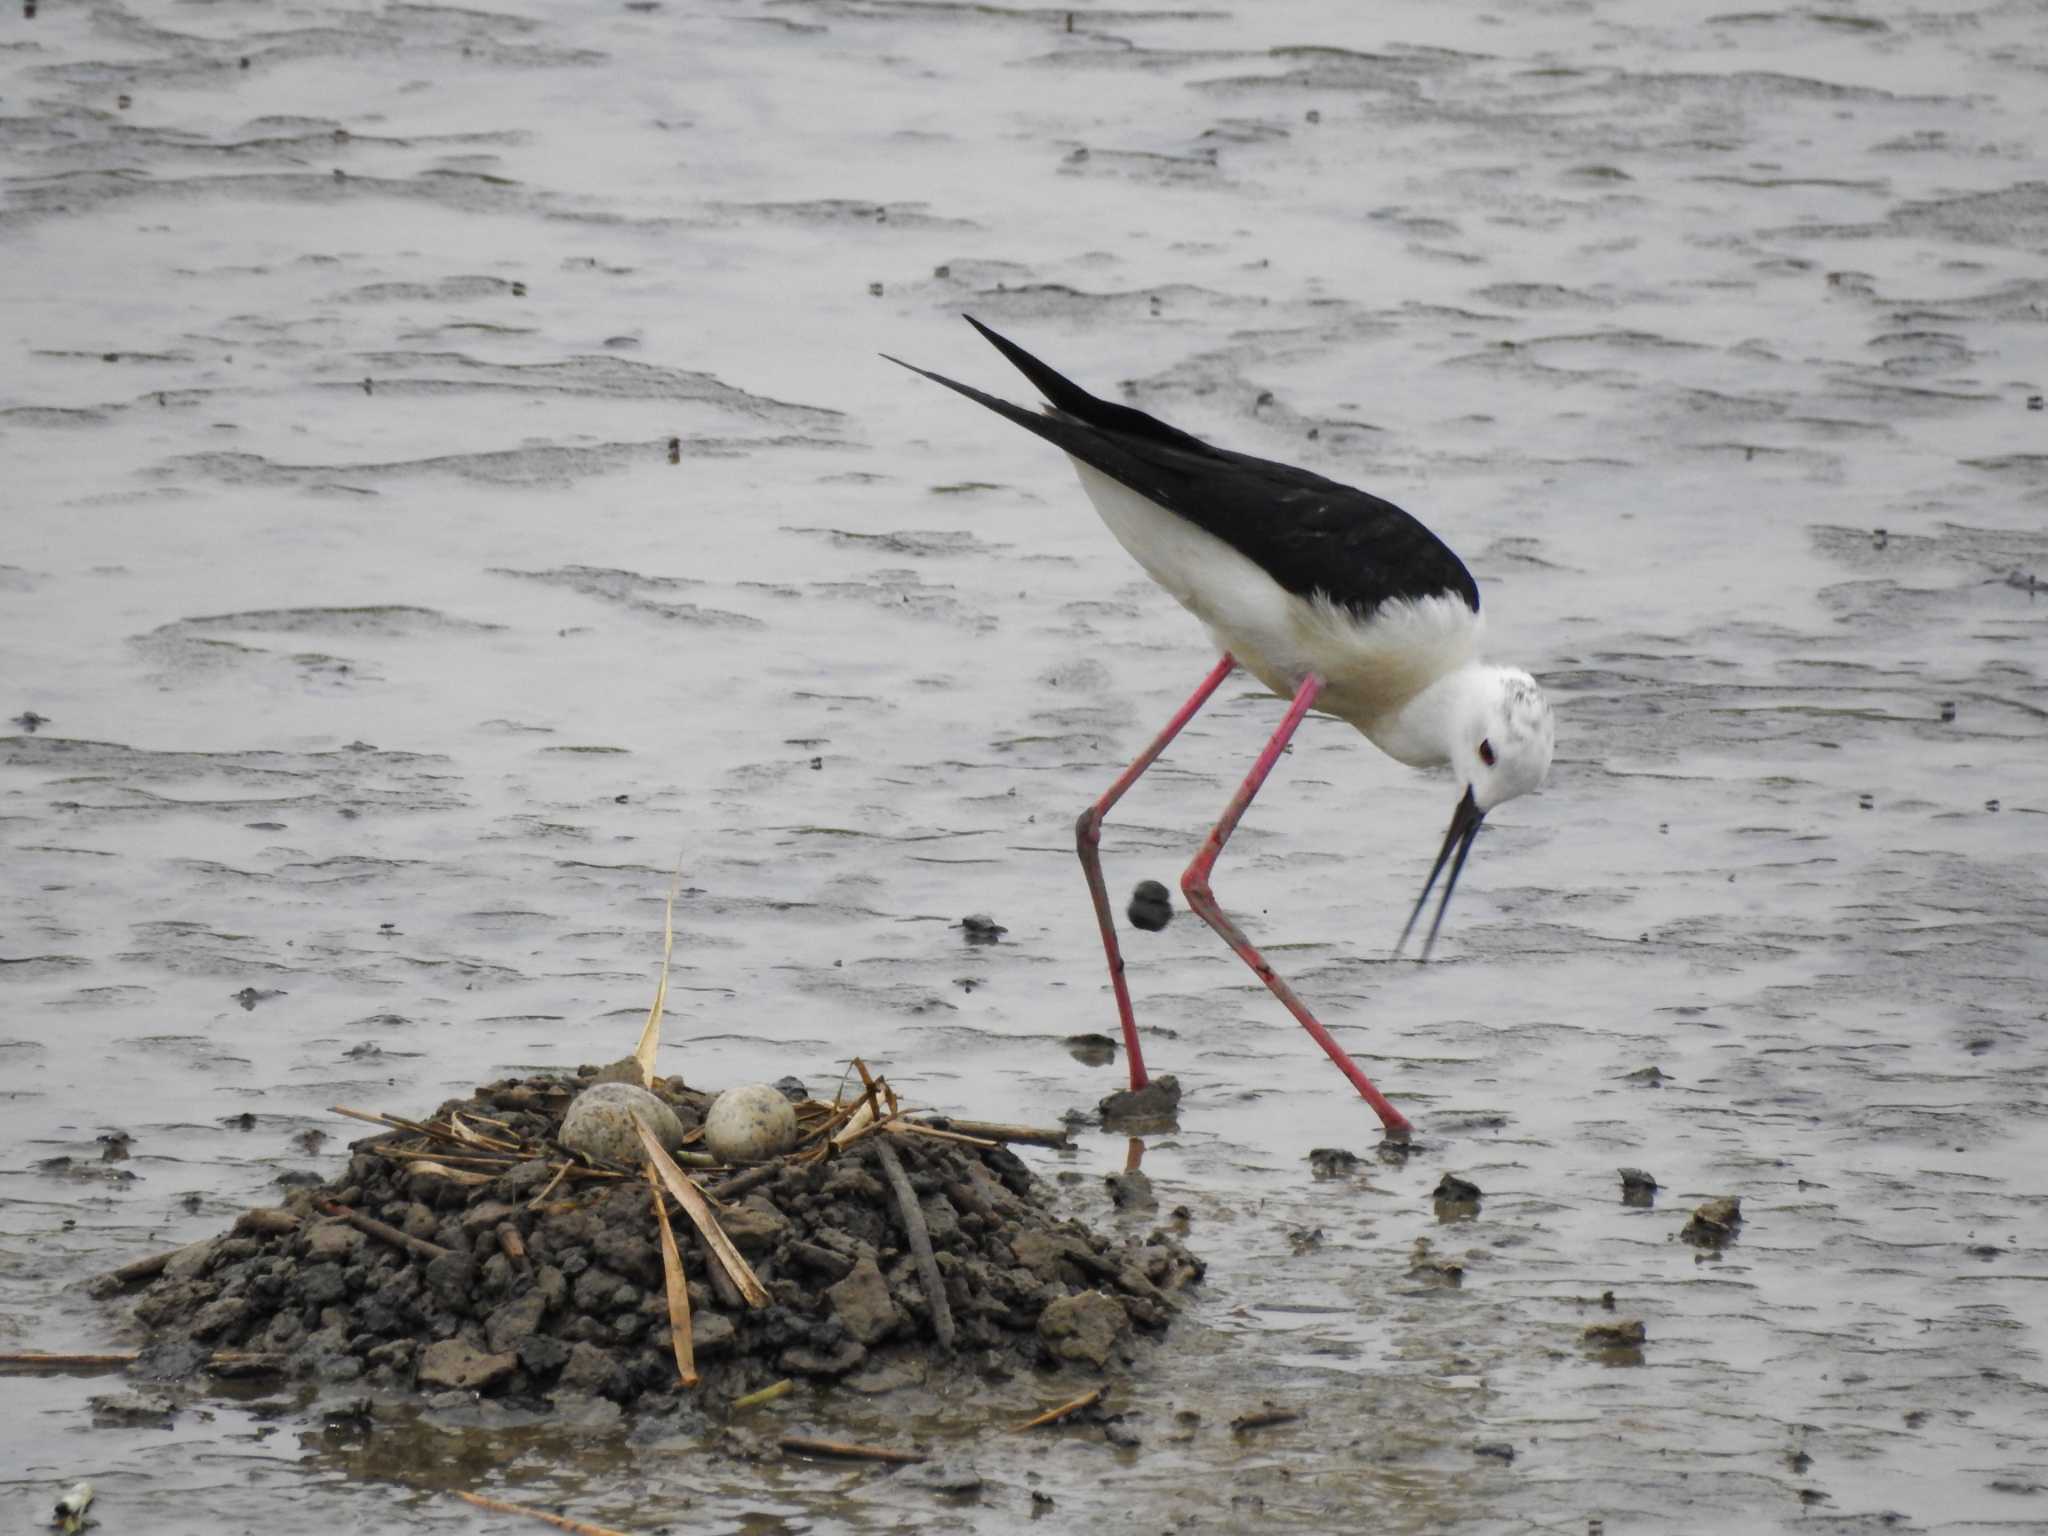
(679, 1336)
(698, 1209)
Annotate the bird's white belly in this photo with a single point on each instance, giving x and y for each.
(1370, 667)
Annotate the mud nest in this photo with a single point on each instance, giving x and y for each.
(530, 1286)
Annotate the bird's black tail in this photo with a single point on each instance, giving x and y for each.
(1065, 396)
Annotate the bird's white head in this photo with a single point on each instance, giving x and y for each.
(1502, 741)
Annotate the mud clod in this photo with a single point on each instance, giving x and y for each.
(1151, 906)
(1141, 1110)
(1714, 1223)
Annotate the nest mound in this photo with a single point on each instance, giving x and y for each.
(535, 1276)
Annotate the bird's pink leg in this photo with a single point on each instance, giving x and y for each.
(1088, 839)
(1194, 885)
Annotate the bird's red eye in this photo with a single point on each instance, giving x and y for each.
(1486, 753)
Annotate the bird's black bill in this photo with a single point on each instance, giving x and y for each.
(1464, 827)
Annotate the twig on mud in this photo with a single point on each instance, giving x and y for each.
(698, 1209)
(1054, 1415)
(560, 1522)
(805, 1445)
(918, 1128)
(678, 1289)
(1029, 1135)
(452, 1159)
(383, 1231)
(920, 1244)
(468, 1178)
(222, 1362)
(540, 1199)
(781, 1388)
(30, 1360)
(417, 1128)
(469, 1136)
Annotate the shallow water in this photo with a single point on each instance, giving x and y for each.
(387, 665)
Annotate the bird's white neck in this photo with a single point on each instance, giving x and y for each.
(1421, 733)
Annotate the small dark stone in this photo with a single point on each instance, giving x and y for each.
(1638, 1188)
(792, 1088)
(1151, 906)
(1497, 1450)
(980, 928)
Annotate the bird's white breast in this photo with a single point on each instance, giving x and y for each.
(1371, 667)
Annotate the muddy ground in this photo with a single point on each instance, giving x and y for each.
(449, 478)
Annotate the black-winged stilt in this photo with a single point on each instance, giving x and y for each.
(1332, 598)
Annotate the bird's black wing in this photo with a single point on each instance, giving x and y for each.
(1310, 533)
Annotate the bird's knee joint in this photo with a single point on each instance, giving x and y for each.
(1194, 885)
(1088, 830)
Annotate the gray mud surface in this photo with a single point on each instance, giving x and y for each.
(448, 478)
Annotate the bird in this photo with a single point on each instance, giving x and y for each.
(1334, 599)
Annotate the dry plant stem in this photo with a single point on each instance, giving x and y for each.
(856, 1123)
(471, 1138)
(698, 1209)
(913, 1128)
(650, 1034)
(728, 1294)
(222, 1362)
(920, 1244)
(859, 1130)
(513, 1246)
(30, 1360)
(393, 1121)
(1029, 1135)
(540, 1199)
(1054, 1415)
(452, 1159)
(875, 1088)
(559, 1522)
(678, 1288)
(468, 1178)
(384, 1231)
(804, 1445)
(781, 1388)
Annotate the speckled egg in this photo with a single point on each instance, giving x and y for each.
(599, 1123)
(749, 1124)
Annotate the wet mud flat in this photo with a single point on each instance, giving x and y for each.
(546, 1282)
(449, 475)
